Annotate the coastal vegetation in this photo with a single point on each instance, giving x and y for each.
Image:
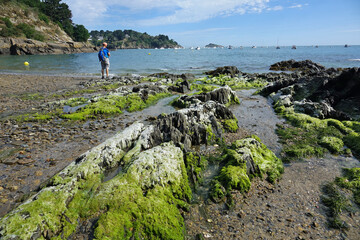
(131, 39)
(47, 11)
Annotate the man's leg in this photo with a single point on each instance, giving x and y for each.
(102, 73)
(107, 72)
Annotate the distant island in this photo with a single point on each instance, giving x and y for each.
(130, 39)
(212, 45)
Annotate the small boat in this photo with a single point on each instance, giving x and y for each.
(253, 47)
(230, 47)
(197, 48)
(316, 46)
(346, 45)
(293, 47)
(277, 47)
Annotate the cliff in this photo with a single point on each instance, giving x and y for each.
(26, 31)
(19, 46)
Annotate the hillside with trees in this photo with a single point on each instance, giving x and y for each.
(132, 39)
(39, 20)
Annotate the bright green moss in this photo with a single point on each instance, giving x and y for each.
(217, 191)
(336, 202)
(234, 174)
(352, 141)
(195, 164)
(235, 83)
(333, 144)
(203, 87)
(36, 117)
(264, 158)
(134, 103)
(210, 136)
(73, 102)
(129, 206)
(354, 125)
(234, 177)
(111, 86)
(113, 105)
(154, 98)
(308, 136)
(231, 125)
(45, 212)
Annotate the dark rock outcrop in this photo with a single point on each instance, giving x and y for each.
(191, 126)
(16, 46)
(320, 94)
(146, 90)
(346, 85)
(222, 95)
(226, 70)
(292, 65)
(181, 87)
(174, 77)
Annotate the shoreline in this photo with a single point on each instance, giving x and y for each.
(39, 149)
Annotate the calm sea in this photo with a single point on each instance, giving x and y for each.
(145, 61)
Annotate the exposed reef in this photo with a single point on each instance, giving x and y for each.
(187, 168)
(146, 196)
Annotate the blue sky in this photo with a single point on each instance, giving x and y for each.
(228, 22)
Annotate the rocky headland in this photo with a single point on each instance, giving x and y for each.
(18, 46)
(229, 156)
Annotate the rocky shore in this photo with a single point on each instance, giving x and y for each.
(178, 157)
(17, 46)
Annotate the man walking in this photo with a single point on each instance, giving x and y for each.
(104, 55)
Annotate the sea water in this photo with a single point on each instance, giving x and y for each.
(146, 61)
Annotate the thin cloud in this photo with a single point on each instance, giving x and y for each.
(276, 8)
(296, 6)
(173, 11)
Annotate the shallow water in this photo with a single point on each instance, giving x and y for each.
(256, 115)
(179, 61)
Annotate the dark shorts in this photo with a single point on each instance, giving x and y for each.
(105, 64)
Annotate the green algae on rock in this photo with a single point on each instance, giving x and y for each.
(333, 144)
(113, 104)
(195, 164)
(234, 177)
(223, 95)
(245, 159)
(143, 200)
(230, 124)
(309, 136)
(235, 83)
(337, 198)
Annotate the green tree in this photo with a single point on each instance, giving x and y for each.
(81, 34)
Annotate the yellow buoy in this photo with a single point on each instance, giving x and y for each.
(26, 63)
(149, 53)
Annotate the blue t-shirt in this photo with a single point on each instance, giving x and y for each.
(106, 52)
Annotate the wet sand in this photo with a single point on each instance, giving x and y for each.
(290, 209)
